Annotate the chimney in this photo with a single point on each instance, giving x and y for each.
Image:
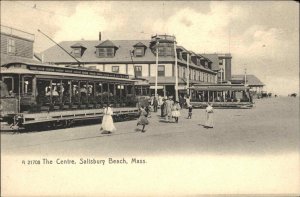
(99, 36)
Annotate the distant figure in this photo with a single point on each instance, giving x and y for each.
(187, 100)
(175, 111)
(107, 122)
(168, 109)
(151, 100)
(147, 109)
(190, 107)
(163, 108)
(181, 101)
(143, 118)
(160, 100)
(209, 122)
(294, 95)
(155, 104)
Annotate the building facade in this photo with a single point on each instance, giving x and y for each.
(138, 59)
(16, 45)
(221, 63)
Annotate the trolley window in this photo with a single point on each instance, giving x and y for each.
(27, 85)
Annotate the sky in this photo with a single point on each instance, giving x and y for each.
(263, 37)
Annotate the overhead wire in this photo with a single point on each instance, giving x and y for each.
(35, 7)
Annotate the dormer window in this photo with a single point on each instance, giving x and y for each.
(78, 50)
(206, 64)
(106, 49)
(139, 52)
(139, 49)
(106, 52)
(220, 62)
(198, 62)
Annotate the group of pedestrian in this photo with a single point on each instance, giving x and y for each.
(169, 110)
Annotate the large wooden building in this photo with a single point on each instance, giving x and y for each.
(137, 58)
(16, 46)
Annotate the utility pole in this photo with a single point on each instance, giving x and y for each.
(156, 73)
(221, 71)
(188, 73)
(79, 63)
(176, 72)
(245, 84)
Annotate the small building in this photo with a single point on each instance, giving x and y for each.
(256, 86)
(16, 46)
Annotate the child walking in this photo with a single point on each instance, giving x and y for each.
(175, 111)
(143, 118)
(190, 108)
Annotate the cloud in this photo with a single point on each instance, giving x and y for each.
(258, 35)
(200, 31)
(84, 23)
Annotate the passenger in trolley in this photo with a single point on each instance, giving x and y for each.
(209, 111)
(107, 122)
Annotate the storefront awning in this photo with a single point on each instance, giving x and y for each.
(219, 88)
(158, 87)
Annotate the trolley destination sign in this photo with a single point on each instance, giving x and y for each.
(82, 71)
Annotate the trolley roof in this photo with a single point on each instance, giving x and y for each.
(54, 70)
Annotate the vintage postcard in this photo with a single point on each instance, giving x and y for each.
(149, 98)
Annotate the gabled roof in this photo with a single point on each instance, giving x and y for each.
(252, 80)
(106, 43)
(139, 44)
(123, 55)
(214, 59)
(78, 45)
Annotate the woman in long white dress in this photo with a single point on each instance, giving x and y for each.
(209, 112)
(107, 122)
(175, 111)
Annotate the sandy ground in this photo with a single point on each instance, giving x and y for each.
(248, 151)
(270, 127)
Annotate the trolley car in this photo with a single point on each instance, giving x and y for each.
(40, 93)
(221, 96)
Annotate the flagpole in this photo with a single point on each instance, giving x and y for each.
(176, 72)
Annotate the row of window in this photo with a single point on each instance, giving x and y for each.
(197, 60)
(138, 70)
(182, 72)
(164, 49)
(196, 75)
